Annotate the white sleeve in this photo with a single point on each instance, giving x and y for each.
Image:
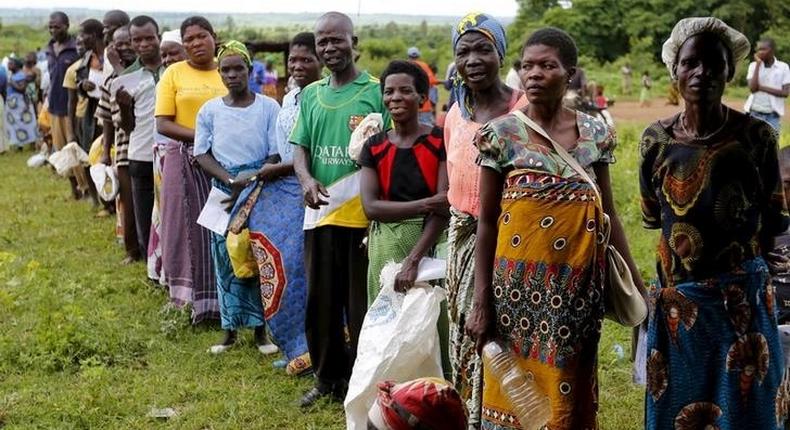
(750, 71)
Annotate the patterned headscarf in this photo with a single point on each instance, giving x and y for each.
(430, 403)
(492, 29)
(234, 47)
(687, 28)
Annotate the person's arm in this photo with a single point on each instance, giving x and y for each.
(618, 238)
(435, 224)
(753, 75)
(71, 112)
(314, 191)
(20, 86)
(274, 166)
(377, 209)
(108, 139)
(126, 106)
(780, 92)
(480, 324)
(166, 126)
(210, 165)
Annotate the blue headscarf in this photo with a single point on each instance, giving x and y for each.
(489, 27)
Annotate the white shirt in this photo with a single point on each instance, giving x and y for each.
(513, 80)
(140, 84)
(776, 76)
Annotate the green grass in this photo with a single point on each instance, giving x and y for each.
(88, 343)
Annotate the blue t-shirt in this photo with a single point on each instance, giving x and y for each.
(237, 136)
(256, 77)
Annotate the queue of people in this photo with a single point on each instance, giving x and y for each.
(525, 227)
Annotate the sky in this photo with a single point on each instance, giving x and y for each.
(501, 8)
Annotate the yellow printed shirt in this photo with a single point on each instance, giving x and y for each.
(183, 90)
(327, 117)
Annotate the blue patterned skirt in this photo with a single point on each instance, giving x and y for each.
(713, 354)
(21, 126)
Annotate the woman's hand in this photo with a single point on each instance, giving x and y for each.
(404, 280)
(267, 172)
(237, 185)
(437, 204)
(480, 325)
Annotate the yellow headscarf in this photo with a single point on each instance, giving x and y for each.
(234, 47)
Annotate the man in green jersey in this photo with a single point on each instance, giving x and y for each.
(335, 223)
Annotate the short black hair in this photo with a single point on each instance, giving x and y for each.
(558, 39)
(93, 27)
(306, 39)
(199, 21)
(142, 21)
(770, 42)
(117, 16)
(399, 66)
(60, 15)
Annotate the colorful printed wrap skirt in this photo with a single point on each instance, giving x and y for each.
(239, 298)
(548, 296)
(467, 374)
(21, 126)
(389, 241)
(714, 359)
(274, 211)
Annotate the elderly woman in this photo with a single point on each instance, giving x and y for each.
(171, 51)
(234, 136)
(539, 256)
(182, 90)
(479, 45)
(710, 182)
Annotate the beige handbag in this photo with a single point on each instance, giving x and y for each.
(624, 304)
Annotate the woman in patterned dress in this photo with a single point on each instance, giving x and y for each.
(710, 182)
(539, 256)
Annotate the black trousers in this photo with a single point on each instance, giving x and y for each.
(336, 265)
(142, 176)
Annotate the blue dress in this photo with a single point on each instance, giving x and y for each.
(21, 126)
(714, 359)
(240, 139)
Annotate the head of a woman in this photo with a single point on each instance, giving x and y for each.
(303, 62)
(479, 45)
(701, 54)
(171, 49)
(404, 88)
(548, 62)
(199, 40)
(235, 66)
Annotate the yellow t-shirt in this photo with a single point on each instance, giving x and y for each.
(182, 90)
(70, 82)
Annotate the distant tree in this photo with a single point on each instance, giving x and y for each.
(424, 28)
(230, 24)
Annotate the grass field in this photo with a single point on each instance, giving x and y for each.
(88, 343)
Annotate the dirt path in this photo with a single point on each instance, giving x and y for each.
(628, 111)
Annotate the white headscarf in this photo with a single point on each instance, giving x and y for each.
(687, 28)
(171, 36)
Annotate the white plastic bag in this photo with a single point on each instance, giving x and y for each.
(398, 341)
(370, 125)
(69, 157)
(105, 180)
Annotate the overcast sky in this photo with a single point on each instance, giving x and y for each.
(502, 8)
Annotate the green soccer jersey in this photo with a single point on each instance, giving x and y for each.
(327, 116)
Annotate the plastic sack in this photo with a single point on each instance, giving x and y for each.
(37, 160)
(240, 251)
(370, 125)
(106, 181)
(398, 341)
(68, 158)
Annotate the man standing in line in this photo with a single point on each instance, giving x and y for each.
(334, 222)
(61, 53)
(769, 82)
(112, 21)
(136, 98)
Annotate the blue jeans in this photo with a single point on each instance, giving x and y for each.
(773, 118)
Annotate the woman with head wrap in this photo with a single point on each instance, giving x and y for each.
(234, 136)
(21, 126)
(172, 51)
(539, 251)
(183, 88)
(480, 46)
(710, 182)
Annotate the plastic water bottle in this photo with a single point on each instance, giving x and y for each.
(529, 404)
